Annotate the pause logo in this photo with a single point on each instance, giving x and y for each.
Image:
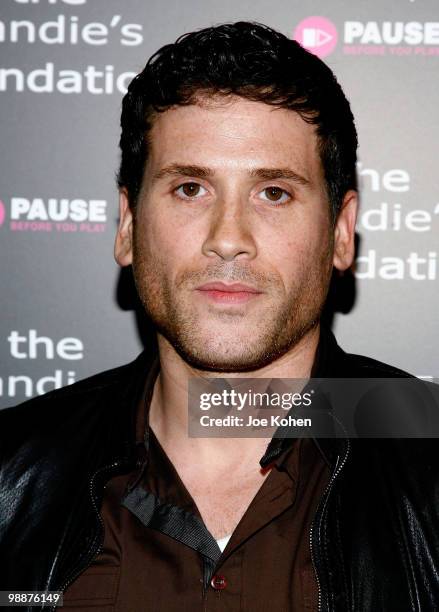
(317, 34)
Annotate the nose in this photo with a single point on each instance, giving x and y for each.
(229, 235)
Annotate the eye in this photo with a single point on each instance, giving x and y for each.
(190, 190)
(275, 194)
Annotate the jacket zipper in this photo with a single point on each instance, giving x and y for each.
(338, 467)
(93, 550)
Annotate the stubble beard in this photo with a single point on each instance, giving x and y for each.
(280, 326)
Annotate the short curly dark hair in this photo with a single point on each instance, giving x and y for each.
(255, 62)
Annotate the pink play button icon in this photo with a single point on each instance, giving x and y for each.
(317, 34)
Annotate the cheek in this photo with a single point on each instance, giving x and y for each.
(164, 243)
(290, 258)
(300, 251)
(301, 236)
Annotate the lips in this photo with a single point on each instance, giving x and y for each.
(233, 288)
(233, 294)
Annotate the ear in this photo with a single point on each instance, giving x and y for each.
(344, 232)
(123, 246)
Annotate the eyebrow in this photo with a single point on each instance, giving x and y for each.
(182, 170)
(204, 172)
(279, 173)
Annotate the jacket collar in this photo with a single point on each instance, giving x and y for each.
(330, 362)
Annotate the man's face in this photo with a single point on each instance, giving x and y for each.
(233, 192)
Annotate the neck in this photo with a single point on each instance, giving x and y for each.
(168, 414)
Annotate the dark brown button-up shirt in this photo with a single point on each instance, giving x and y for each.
(158, 555)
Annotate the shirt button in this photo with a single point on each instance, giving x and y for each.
(218, 582)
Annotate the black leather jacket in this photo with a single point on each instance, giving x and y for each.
(374, 538)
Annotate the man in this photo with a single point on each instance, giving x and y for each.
(237, 200)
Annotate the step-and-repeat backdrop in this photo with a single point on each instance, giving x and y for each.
(67, 312)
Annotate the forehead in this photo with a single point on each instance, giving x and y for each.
(234, 133)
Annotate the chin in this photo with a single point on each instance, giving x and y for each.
(224, 363)
(222, 359)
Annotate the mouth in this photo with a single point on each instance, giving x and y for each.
(222, 293)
